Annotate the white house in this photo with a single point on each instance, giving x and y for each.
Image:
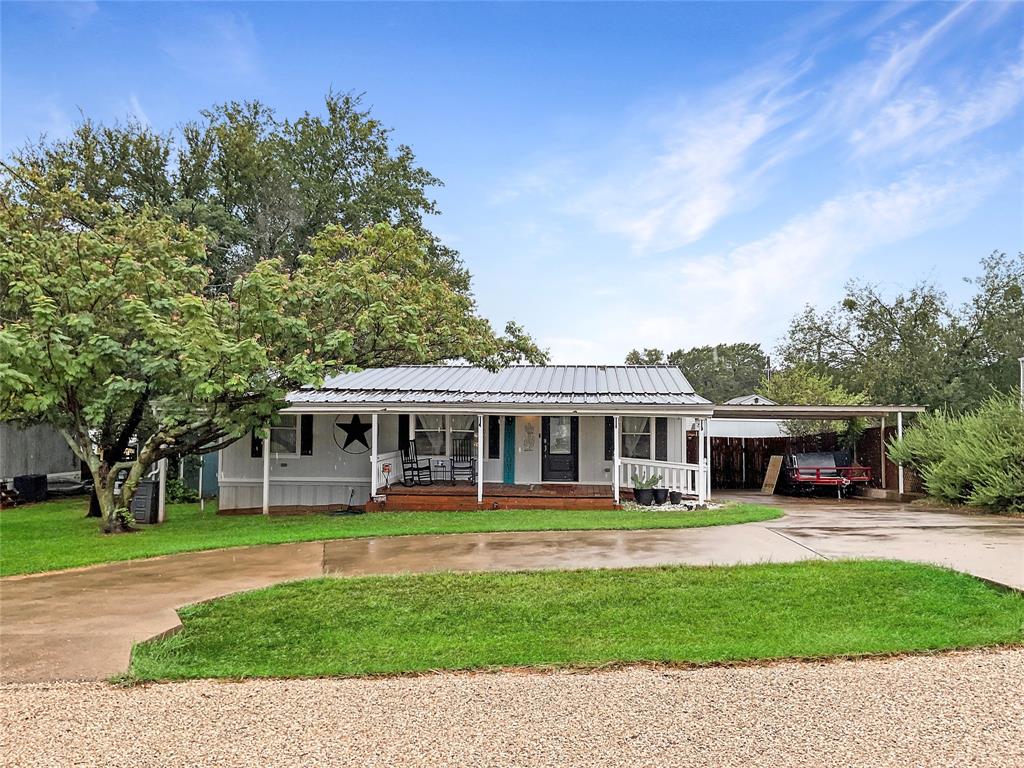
(566, 432)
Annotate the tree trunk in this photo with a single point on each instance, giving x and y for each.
(94, 505)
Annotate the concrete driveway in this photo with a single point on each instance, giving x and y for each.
(81, 624)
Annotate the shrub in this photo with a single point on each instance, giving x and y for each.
(975, 458)
(178, 493)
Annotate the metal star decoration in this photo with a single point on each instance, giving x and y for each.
(355, 432)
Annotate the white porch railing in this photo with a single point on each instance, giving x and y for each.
(675, 476)
(394, 460)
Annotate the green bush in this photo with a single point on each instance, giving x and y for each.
(975, 458)
(179, 493)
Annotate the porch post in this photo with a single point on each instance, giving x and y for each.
(373, 456)
(161, 508)
(899, 434)
(702, 485)
(881, 449)
(266, 475)
(202, 501)
(479, 458)
(707, 458)
(616, 458)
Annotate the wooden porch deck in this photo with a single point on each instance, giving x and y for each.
(444, 495)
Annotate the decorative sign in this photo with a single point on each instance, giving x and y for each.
(529, 435)
(351, 437)
(771, 477)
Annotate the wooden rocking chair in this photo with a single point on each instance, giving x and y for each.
(415, 471)
(463, 462)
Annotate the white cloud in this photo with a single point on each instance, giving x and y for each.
(135, 109)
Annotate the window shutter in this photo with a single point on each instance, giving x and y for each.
(609, 438)
(661, 439)
(306, 435)
(493, 437)
(256, 446)
(403, 432)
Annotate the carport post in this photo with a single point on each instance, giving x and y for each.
(616, 459)
(881, 449)
(161, 508)
(266, 475)
(899, 435)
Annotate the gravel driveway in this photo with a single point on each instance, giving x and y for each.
(955, 709)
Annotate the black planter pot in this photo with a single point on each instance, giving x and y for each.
(676, 497)
(643, 496)
(660, 495)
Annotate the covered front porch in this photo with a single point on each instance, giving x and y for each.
(462, 495)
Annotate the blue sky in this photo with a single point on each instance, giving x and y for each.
(617, 175)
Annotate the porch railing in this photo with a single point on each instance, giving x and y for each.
(675, 476)
(394, 460)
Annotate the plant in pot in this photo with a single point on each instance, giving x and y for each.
(676, 497)
(643, 489)
(660, 496)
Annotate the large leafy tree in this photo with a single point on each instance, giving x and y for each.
(110, 327)
(918, 346)
(262, 186)
(717, 372)
(802, 385)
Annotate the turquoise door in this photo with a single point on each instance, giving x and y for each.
(508, 474)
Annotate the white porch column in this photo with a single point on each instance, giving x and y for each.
(161, 509)
(266, 475)
(202, 501)
(373, 456)
(616, 459)
(881, 449)
(743, 459)
(702, 484)
(707, 458)
(479, 458)
(899, 435)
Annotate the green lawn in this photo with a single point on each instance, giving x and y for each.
(382, 625)
(56, 534)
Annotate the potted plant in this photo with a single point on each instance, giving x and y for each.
(660, 496)
(676, 497)
(643, 489)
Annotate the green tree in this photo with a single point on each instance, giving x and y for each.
(803, 385)
(717, 372)
(262, 186)
(108, 318)
(918, 347)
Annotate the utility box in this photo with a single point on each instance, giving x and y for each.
(146, 502)
(30, 487)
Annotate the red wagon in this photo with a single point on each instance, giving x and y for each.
(809, 472)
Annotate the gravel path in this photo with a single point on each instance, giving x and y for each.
(958, 709)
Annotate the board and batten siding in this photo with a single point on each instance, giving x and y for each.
(327, 477)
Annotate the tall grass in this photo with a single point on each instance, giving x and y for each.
(975, 458)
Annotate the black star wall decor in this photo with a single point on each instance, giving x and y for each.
(355, 435)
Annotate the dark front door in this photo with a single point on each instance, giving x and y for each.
(560, 439)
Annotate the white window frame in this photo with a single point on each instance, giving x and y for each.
(275, 426)
(649, 432)
(446, 430)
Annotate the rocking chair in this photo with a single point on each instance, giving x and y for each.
(463, 462)
(415, 471)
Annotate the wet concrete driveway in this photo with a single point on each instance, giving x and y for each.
(81, 624)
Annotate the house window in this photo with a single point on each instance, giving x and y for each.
(463, 428)
(636, 437)
(430, 436)
(284, 435)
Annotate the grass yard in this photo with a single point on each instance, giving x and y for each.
(56, 534)
(382, 625)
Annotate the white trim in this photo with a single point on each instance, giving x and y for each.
(480, 458)
(373, 456)
(266, 474)
(504, 409)
(899, 436)
(882, 449)
(162, 499)
(616, 459)
(702, 493)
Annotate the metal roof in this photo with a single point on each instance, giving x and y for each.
(548, 385)
(811, 411)
(750, 400)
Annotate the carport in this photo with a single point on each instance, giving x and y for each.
(775, 413)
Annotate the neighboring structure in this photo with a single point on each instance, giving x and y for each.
(592, 426)
(37, 450)
(743, 428)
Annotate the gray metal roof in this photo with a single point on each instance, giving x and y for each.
(571, 385)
